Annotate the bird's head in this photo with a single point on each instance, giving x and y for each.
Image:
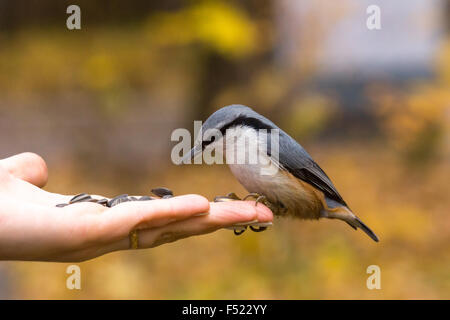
(225, 120)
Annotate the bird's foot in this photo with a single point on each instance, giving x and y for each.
(258, 229)
(238, 230)
(255, 226)
(259, 198)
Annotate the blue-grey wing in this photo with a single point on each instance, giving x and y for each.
(299, 163)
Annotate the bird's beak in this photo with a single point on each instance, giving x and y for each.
(195, 151)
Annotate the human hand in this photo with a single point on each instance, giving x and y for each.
(32, 228)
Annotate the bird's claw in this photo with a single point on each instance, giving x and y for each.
(258, 229)
(255, 226)
(259, 198)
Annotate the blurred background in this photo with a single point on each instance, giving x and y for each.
(371, 106)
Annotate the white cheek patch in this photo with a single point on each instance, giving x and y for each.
(248, 147)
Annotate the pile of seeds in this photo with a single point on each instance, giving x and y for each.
(160, 193)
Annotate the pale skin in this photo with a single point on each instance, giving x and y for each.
(32, 228)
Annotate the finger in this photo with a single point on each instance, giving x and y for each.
(21, 189)
(27, 166)
(118, 221)
(221, 215)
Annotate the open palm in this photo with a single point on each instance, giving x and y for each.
(32, 228)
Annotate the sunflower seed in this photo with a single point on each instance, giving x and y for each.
(145, 198)
(161, 192)
(103, 201)
(62, 205)
(82, 197)
(117, 200)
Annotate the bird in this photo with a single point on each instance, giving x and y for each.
(294, 185)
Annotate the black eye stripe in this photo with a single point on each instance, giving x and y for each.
(245, 121)
(211, 140)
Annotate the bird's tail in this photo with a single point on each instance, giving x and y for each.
(344, 214)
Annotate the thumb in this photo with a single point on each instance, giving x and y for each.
(27, 166)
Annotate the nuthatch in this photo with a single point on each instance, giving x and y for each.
(298, 187)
